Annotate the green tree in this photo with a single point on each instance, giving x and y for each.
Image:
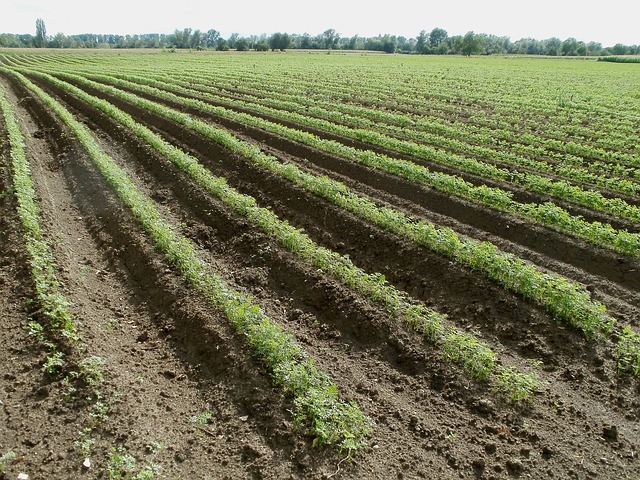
(198, 40)
(553, 46)
(233, 39)
(594, 48)
(40, 39)
(471, 43)
(279, 41)
(222, 45)
(182, 38)
(620, 49)
(330, 39)
(212, 38)
(570, 47)
(437, 36)
(389, 44)
(242, 45)
(421, 43)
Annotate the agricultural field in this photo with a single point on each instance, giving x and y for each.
(312, 266)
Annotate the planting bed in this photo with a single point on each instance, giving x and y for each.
(183, 391)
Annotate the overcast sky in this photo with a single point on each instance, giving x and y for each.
(611, 22)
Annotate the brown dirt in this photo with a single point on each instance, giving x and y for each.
(169, 356)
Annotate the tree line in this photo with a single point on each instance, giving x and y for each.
(435, 42)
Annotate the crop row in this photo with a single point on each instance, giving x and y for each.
(59, 335)
(460, 96)
(427, 94)
(547, 214)
(541, 112)
(460, 137)
(298, 87)
(564, 299)
(474, 356)
(55, 307)
(531, 181)
(317, 403)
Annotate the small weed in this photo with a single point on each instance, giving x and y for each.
(154, 447)
(54, 363)
(88, 372)
(84, 443)
(99, 411)
(123, 466)
(112, 322)
(6, 458)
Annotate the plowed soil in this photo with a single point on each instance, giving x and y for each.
(169, 356)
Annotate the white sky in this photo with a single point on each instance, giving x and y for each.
(615, 21)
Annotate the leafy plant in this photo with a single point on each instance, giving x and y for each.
(628, 352)
(6, 458)
(123, 466)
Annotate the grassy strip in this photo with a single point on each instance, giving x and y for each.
(316, 399)
(620, 59)
(547, 214)
(475, 357)
(54, 305)
(566, 300)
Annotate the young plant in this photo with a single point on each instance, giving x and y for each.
(628, 352)
(6, 458)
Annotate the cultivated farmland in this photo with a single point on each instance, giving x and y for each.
(318, 266)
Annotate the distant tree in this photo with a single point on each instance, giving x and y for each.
(58, 40)
(198, 40)
(493, 45)
(421, 43)
(329, 39)
(553, 46)
(594, 48)
(570, 47)
(40, 40)
(261, 46)
(437, 36)
(389, 44)
(241, 45)
(182, 38)
(619, 49)
(279, 41)
(233, 39)
(212, 38)
(471, 43)
(222, 45)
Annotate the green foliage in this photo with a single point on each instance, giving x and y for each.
(123, 466)
(289, 366)
(279, 41)
(620, 59)
(53, 363)
(462, 347)
(628, 352)
(53, 303)
(517, 386)
(423, 320)
(6, 458)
